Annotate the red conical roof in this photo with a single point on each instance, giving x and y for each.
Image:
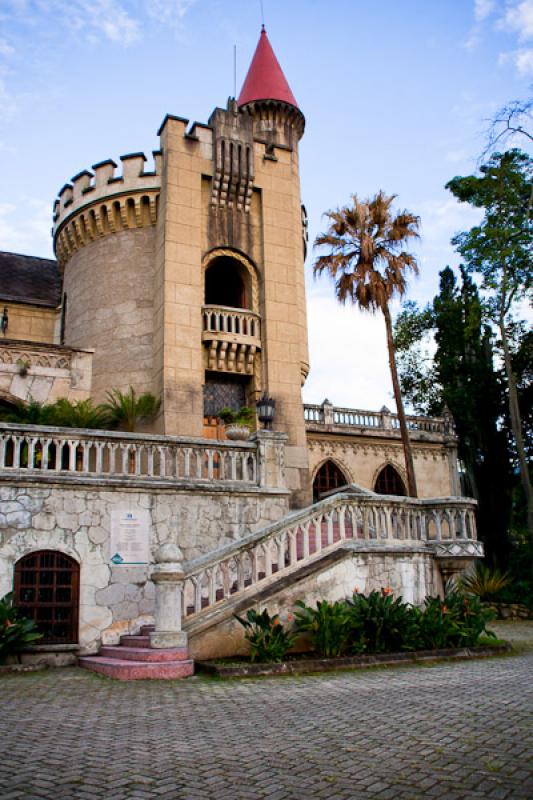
(265, 79)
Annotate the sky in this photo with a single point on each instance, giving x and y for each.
(397, 96)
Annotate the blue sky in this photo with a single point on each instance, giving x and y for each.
(396, 97)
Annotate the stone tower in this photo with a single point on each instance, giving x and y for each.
(187, 280)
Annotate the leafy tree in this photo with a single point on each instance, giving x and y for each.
(368, 265)
(499, 249)
(126, 410)
(462, 378)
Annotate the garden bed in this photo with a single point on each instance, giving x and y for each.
(302, 664)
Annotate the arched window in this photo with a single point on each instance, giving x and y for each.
(47, 591)
(226, 283)
(328, 477)
(390, 482)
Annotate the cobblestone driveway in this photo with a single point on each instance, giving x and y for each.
(449, 731)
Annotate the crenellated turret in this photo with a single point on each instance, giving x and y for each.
(101, 202)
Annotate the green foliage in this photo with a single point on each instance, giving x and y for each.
(126, 410)
(244, 416)
(413, 340)
(30, 413)
(328, 626)
(77, 414)
(483, 581)
(457, 621)
(269, 640)
(381, 624)
(16, 632)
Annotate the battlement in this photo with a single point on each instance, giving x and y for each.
(101, 202)
(87, 187)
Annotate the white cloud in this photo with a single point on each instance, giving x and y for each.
(169, 11)
(522, 59)
(25, 227)
(518, 18)
(97, 17)
(348, 353)
(483, 9)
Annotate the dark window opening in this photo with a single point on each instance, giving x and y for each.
(63, 319)
(47, 591)
(224, 284)
(328, 478)
(390, 482)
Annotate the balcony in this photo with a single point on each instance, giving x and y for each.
(332, 419)
(232, 339)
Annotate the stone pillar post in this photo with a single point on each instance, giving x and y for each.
(386, 418)
(167, 575)
(327, 410)
(271, 458)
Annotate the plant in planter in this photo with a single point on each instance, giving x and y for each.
(269, 640)
(16, 632)
(380, 623)
(239, 423)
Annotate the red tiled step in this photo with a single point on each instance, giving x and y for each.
(146, 629)
(125, 670)
(135, 641)
(145, 653)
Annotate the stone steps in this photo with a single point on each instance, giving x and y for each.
(134, 659)
(124, 669)
(144, 653)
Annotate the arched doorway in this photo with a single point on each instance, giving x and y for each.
(389, 481)
(226, 283)
(328, 478)
(47, 590)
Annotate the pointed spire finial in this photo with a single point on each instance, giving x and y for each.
(265, 79)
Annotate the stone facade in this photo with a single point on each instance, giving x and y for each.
(76, 520)
(43, 373)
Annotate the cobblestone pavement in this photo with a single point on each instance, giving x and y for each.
(453, 731)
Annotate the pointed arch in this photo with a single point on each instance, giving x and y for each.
(389, 480)
(329, 475)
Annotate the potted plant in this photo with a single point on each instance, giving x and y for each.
(238, 423)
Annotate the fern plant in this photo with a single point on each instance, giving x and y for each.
(483, 581)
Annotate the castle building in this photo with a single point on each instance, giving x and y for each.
(184, 278)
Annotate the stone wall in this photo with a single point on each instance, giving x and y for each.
(361, 457)
(76, 521)
(413, 575)
(43, 372)
(109, 289)
(34, 323)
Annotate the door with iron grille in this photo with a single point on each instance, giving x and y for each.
(47, 590)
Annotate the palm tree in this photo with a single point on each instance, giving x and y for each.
(126, 410)
(368, 265)
(78, 414)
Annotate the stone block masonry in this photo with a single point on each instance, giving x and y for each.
(76, 520)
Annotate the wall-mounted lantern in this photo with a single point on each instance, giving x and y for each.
(4, 321)
(266, 409)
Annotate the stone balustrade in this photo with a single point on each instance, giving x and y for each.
(355, 518)
(232, 337)
(63, 453)
(345, 419)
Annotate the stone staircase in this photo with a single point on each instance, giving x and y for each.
(134, 659)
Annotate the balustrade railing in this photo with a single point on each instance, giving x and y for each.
(105, 454)
(236, 321)
(365, 520)
(327, 414)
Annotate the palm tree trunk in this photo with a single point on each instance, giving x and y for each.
(516, 426)
(408, 453)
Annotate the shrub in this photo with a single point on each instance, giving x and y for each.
(482, 581)
(381, 624)
(458, 620)
(15, 630)
(328, 626)
(269, 640)
(244, 416)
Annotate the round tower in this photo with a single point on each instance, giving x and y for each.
(104, 239)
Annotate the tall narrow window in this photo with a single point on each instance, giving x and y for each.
(390, 482)
(328, 477)
(63, 319)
